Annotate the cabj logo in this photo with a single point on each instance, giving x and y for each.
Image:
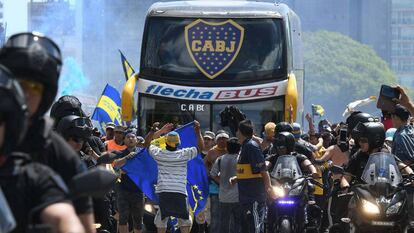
(213, 46)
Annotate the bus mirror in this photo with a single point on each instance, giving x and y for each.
(291, 98)
(127, 100)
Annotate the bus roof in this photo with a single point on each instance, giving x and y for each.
(218, 9)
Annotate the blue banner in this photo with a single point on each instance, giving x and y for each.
(143, 170)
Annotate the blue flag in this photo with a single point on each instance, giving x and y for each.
(108, 108)
(143, 170)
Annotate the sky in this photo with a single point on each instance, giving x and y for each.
(15, 14)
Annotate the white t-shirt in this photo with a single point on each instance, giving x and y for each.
(172, 168)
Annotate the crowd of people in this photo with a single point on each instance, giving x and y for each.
(40, 156)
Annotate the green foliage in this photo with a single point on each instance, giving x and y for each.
(339, 70)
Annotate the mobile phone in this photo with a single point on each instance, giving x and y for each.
(386, 96)
(343, 135)
(389, 92)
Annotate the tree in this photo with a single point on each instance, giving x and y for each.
(339, 70)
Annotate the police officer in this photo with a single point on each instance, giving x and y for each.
(284, 143)
(33, 191)
(36, 62)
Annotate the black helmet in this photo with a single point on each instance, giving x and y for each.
(65, 106)
(13, 111)
(357, 117)
(34, 57)
(284, 140)
(75, 126)
(283, 127)
(373, 131)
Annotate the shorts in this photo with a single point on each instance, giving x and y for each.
(162, 223)
(130, 203)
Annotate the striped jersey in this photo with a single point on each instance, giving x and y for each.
(172, 168)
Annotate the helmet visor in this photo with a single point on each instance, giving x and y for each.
(27, 40)
(82, 122)
(7, 82)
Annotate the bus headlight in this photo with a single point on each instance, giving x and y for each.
(370, 208)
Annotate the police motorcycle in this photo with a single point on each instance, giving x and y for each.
(290, 207)
(379, 205)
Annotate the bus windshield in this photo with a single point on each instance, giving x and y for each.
(181, 112)
(262, 53)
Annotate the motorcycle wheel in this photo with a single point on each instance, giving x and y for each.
(285, 226)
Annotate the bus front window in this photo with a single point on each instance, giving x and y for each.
(258, 112)
(172, 111)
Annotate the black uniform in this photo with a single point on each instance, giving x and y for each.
(29, 187)
(47, 147)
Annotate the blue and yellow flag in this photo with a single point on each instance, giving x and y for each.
(143, 170)
(108, 108)
(128, 70)
(317, 110)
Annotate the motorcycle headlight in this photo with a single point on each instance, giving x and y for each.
(279, 191)
(149, 208)
(369, 207)
(393, 209)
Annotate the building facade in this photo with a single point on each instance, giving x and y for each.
(403, 41)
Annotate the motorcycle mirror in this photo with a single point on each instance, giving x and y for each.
(106, 158)
(337, 169)
(95, 182)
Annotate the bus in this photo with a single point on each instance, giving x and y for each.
(198, 57)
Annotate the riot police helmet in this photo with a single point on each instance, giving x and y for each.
(284, 140)
(34, 57)
(75, 127)
(372, 132)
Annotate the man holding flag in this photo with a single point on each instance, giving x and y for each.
(172, 175)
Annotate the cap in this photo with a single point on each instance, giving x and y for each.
(327, 128)
(296, 130)
(269, 129)
(119, 128)
(222, 135)
(172, 139)
(110, 125)
(401, 112)
(209, 134)
(389, 134)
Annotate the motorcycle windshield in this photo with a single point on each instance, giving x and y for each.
(286, 167)
(382, 168)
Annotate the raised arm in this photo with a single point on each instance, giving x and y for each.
(405, 100)
(200, 140)
(156, 133)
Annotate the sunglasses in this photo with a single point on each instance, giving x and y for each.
(32, 85)
(82, 122)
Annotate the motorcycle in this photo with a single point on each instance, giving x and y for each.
(379, 205)
(289, 211)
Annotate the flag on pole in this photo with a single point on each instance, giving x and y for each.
(108, 108)
(128, 70)
(357, 103)
(317, 110)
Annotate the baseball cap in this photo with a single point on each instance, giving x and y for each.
(296, 130)
(389, 134)
(401, 112)
(110, 125)
(209, 134)
(119, 128)
(222, 135)
(131, 131)
(172, 139)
